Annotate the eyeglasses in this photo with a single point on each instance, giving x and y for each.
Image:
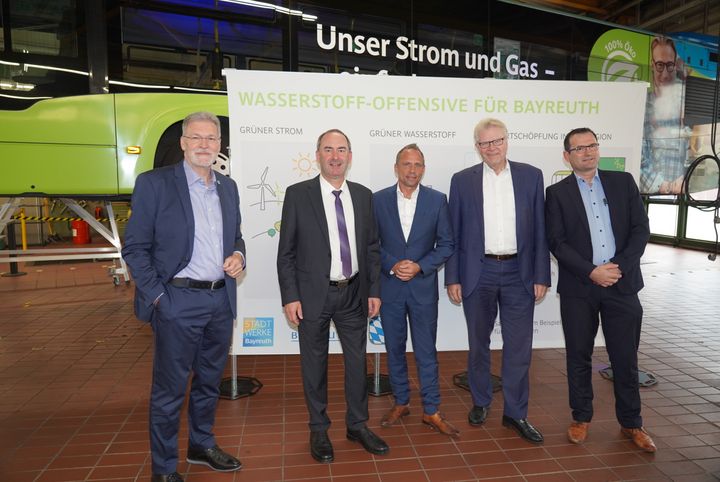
(494, 142)
(199, 139)
(579, 149)
(660, 66)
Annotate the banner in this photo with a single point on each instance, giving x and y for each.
(276, 117)
(670, 145)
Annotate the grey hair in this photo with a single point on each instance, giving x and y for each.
(486, 124)
(201, 116)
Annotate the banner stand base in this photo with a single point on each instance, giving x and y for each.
(236, 387)
(239, 387)
(378, 383)
(645, 379)
(460, 380)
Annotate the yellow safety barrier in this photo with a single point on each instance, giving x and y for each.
(24, 218)
(23, 230)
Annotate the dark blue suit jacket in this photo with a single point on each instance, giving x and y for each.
(430, 243)
(569, 232)
(160, 231)
(466, 213)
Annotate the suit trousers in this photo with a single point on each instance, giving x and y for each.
(192, 330)
(343, 307)
(500, 286)
(621, 317)
(423, 329)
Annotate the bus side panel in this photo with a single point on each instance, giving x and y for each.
(60, 147)
(57, 169)
(141, 121)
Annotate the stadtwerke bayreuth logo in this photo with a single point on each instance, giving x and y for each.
(258, 331)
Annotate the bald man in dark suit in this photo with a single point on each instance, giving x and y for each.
(329, 267)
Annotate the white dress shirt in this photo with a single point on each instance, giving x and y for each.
(499, 211)
(328, 198)
(406, 209)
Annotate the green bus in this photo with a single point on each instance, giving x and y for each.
(95, 145)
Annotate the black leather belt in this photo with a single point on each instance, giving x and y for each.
(343, 282)
(200, 285)
(501, 257)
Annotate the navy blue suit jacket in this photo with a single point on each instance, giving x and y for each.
(429, 244)
(569, 232)
(160, 231)
(466, 213)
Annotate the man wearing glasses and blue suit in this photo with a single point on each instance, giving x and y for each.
(501, 261)
(184, 248)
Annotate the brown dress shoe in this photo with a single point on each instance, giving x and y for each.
(394, 415)
(436, 422)
(577, 432)
(640, 438)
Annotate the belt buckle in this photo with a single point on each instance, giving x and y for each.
(214, 284)
(343, 283)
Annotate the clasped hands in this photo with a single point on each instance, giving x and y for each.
(606, 274)
(405, 270)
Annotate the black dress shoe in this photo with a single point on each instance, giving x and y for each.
(321, 448)
(371, 442)
(215, 458)
(477, 415)
(524, 428)
(174, 477)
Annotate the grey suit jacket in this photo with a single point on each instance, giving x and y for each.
(304, 257)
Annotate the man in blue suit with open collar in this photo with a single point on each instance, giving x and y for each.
(415, 240)
(184, 248)
(501, 260)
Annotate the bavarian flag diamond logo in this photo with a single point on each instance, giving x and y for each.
(375, 331)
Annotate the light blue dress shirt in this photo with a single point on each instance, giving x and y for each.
(206, 263)
(598, 215)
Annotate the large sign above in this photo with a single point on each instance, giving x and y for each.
(404, 48)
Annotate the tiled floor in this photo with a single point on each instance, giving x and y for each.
(75, 368)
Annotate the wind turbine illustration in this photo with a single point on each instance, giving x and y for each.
(264, 187)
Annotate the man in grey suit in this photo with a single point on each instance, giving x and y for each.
(329, 267)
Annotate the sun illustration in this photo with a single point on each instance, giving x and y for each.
(305, 165)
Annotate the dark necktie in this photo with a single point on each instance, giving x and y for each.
(344, 242)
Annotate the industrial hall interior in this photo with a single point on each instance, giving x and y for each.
(407, 240)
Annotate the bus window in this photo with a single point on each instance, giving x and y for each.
(42, 27)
